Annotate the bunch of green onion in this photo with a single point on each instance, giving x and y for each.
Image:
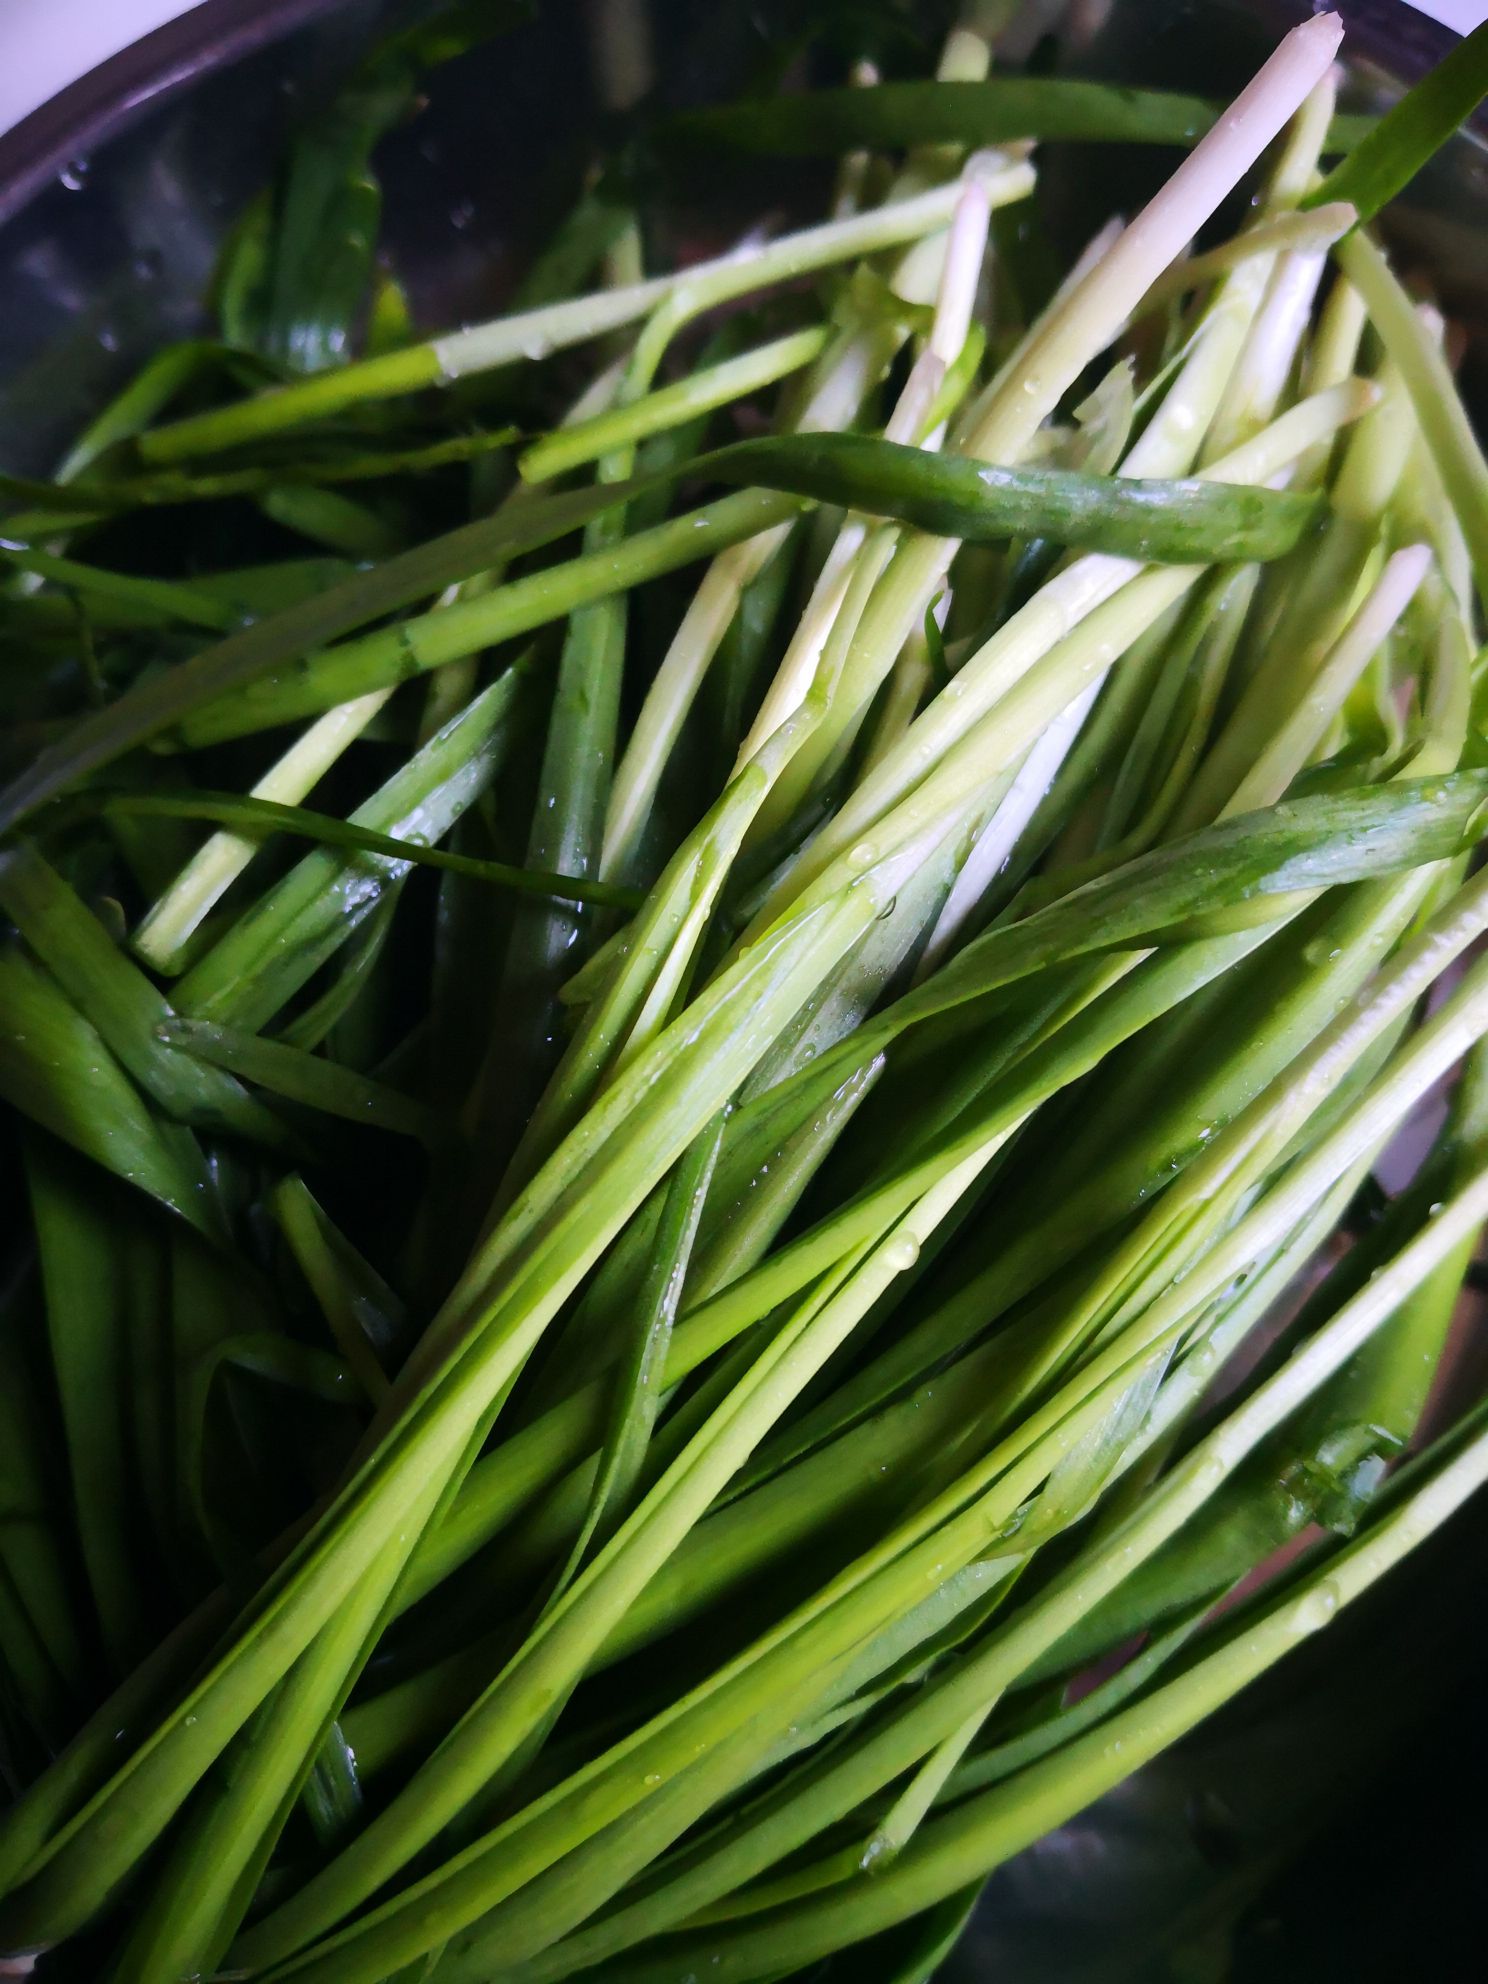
(671, 1135)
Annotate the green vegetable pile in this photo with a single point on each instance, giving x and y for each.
(691, 983)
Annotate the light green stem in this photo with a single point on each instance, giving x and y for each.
(535, 334)
(671, 406)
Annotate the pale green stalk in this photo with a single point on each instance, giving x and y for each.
(1095, 251)
(1315, 606)
(1171, 438)
(1433, 394)
(1317, 229)
(1261, 378)
(673, 690)
(1000, 701)
(1174, 434)
(707, 285)
(1306, 724)
(841, 381)
(860, 553)
(960, 272)
(536, 334)
(965, 58)
(1425, 505)
(800, 666)
(1005, 828)
(912, 676)
(656, 955)
(919, 278)
(163, 935)
(1332, 356)
(536, 599)
(1205, 664)
(453, 685)
(1291, 278)
(671, 406)
(620, 39)
(1057, 355)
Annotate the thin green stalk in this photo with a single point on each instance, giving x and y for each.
(1294, 740)
(120, 1001)
(163, 933)
(989, 1829)
(965, 111)
(272, 816)
(279, 942)
(1387, 158)
(671, 406)
(535, 334)
(1319, 227)
(1454, 446)
(304, 1078)
(637, 1390)
(80, 1269)
(398, 654)
(365, 1318)
(160, 597)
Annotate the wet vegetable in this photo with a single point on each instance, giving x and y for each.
(676, 1059)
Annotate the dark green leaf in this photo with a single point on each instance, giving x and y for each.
(55, 1069)
(1179, 522)
(300, 286)
(37, 1556)
(119, 999)
(264, 817)
(991, 113)
(1387, 158)
(305, 1078)
(155, 702)
(162, 598)
(82, 1275)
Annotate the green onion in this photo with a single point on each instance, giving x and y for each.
(657, 1235)
(969, 113)
(266, 817)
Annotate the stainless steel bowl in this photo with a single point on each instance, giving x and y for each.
(114, 199)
